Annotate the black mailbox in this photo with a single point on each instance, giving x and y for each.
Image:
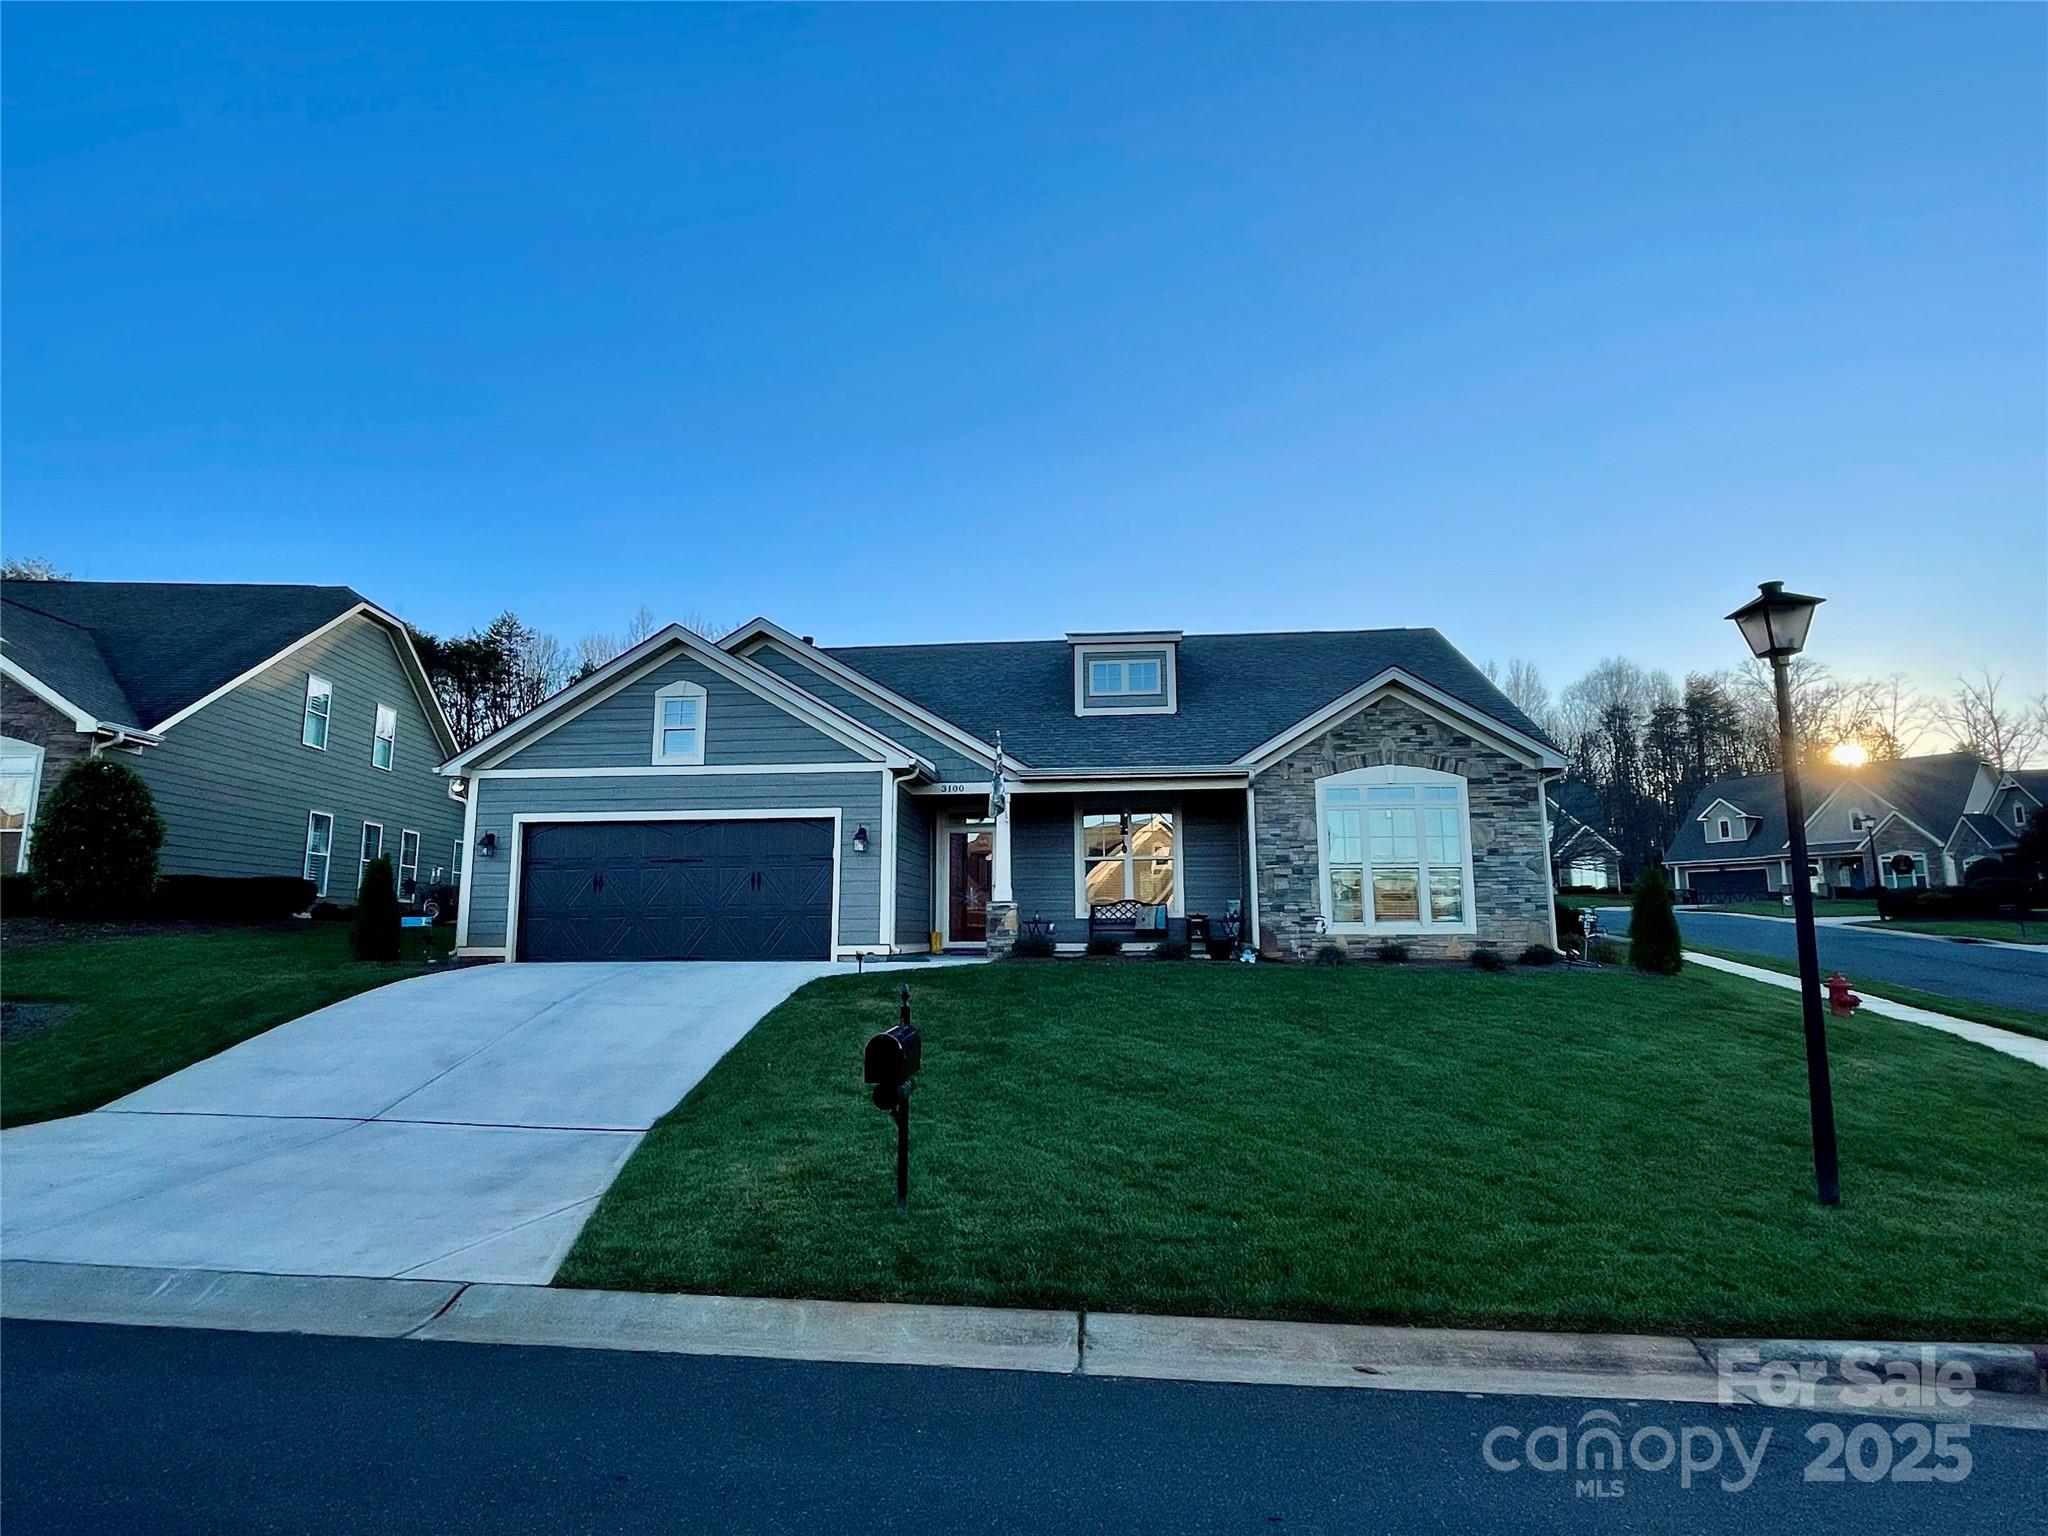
(892, 1059)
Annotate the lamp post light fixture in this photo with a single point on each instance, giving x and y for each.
(1775, 623)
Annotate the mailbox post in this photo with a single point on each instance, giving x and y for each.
(888, 1066)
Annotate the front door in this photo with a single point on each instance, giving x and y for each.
(970, 863)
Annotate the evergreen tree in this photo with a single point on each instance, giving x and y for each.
(1653, 943)
(374, 934)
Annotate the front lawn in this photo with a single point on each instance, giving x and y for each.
(146, 1007)
(2033, 931)
(2021, 1021)
(1550, 1149)
(1823, 906)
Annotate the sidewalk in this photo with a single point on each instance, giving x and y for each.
(2022, 1047)
(2008, 1378)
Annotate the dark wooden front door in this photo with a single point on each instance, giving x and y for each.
(676, 890)
(970, 861)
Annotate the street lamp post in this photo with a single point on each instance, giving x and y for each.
(1775, 623)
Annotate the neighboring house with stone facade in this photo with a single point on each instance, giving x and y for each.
(1914, 823)
(768, 797)
(283, 730)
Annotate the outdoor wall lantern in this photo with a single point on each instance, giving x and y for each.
(860, 839)
(1774, 622)
(487, 845)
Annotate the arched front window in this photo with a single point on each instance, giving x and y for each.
(1397, 851)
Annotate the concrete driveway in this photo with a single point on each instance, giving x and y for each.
(456, 1127)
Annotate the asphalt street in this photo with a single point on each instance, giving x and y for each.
(161, 1430)
(1988, 973)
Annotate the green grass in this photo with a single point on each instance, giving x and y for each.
(1551, 1149)
(153, 1005)
(1836, 906)
(1579, 900)
(2021, 1021)
(2034, 932)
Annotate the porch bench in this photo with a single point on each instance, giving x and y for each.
(1125, 920)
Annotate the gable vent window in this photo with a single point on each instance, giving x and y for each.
(2019, 815)
(319, 703)
(679, 725)
(385, 744)
(1723, 830)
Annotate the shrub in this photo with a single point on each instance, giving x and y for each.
(96, 841)
(1537, 954)
(1105, 944)
(220, 899)
(1331, 954)
(1170, 949)
(374, 933)
(331, 912)
(1985, 869)
(18, 896)
(1605, 952)
(1032, 946)
(1653, 926)
(1488, 960)
(1571, 923)
(1393, 954)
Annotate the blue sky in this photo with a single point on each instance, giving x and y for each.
(1554, 328)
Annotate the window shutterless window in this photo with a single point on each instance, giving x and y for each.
(1913, 879)
(373, 848)
(1111, 677)
(1126, 856)
(319, 703)
(679, 724)
(1396, 851)
(408, 862)
(384, 745)
(319, 848)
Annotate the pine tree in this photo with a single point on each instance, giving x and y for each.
(374, 934)
(1653, 943)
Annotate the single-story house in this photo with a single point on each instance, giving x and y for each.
(1582, 858)
(766, 796)
(282, 730)
(1916, 822)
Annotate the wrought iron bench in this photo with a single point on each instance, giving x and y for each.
(1125, 920)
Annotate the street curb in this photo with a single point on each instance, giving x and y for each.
(1247, 1351)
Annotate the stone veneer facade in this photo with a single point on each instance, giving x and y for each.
(27, 718)
(1511, 894)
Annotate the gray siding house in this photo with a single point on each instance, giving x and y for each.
(766, 797)
(283, 730)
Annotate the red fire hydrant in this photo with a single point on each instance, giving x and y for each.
(1842, 1003)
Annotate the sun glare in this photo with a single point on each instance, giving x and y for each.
(1850, 754)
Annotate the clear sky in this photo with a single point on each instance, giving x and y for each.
(1554, 328)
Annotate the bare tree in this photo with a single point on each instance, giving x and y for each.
(2003, 733)
(31, 568)
(1525, 689)
(1898, 714)
(640, 628)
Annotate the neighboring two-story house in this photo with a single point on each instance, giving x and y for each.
(763, 796)
(1914, 823)
(282, 729)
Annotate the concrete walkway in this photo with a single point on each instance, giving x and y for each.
(2022, 1047)
(459, 1126)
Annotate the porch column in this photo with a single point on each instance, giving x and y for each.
(1002, 902)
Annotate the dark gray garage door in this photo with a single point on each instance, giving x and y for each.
(676, 890)
(1728, 885)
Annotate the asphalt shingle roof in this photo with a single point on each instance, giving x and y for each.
(1758, 794)
(1234, 692)
(1994, 832)
(137, 652)
(1930, 791)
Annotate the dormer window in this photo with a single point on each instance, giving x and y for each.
(1125, 674)
(1722, 831)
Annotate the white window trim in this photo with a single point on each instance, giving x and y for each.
(2019, 814)
(1385, 775)
(13, 747)
(403, 834)
(681, 691)
(1175, 904)
(363, 854)
(1165, 702)
(317, 687)
(377, 736)
(327, 866)
(1916, 881)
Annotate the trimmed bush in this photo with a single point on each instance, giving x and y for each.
(96, 841)
(1489, 960)
(1393, 954)
(1605, 952)
(1538, 954)
(1985, 869)
(1653, 926)
(219, 899)
(1331, 954)
(1170, 949)
(1032, 946)
(18, 896)
(331, 912)
(1105, 944)
(374, 933)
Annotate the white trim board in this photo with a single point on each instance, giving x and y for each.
(623, 670)
(522, 819)
(676, 771)
(82, 721)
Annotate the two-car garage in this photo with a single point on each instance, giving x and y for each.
(685, 889)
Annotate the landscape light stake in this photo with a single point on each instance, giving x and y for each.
(1775, 624)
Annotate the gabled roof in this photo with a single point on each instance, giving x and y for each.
(2033, 782)
(1995, 833)
(1758, 795)
(67, 661)
(1569, 832)
(1928, 792)
(1236, 693)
